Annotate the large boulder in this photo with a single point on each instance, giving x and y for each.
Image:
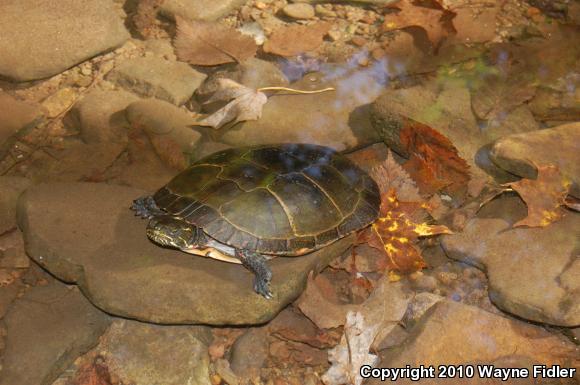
(41, 38)
(93, 239)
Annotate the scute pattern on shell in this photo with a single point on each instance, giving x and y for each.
(286, 199)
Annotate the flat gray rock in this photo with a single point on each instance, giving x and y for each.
(171, 81)
(207, 10)
(93, 239)
(41, 38)
(47, 329)
(533, 273)
(560, 146)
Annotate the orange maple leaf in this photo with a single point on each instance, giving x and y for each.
(395, 233)
(544, 196)
(434, 162)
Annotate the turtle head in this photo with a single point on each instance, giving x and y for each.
(169, 231)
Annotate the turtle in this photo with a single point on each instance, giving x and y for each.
(249, 204)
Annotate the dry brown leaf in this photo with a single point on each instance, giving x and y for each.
(572, 203)
(295, 39)
(391, 175)
(207, 44)
(434, 162)
(499, 95)
(169, 151)
(544, 196)
(245, 104)
(411, 16)
(385, 305)
(352, 353)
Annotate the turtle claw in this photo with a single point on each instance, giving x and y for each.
(145, 207)
(262, 287)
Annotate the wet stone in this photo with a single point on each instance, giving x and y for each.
(207, 10)
(538, 283)
(299, 11)
(339, 119)
(140, 353)
(439, 338)
(65, 33)
(17, 118)
(10, 189)
(520, 154)
(98, 116)
(47, 329)
(93, 239)
(171, 81)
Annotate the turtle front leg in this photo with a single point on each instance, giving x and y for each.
(256, 263)
(145, 207)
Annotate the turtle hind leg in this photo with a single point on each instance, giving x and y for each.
(256, 263)
(145, 207)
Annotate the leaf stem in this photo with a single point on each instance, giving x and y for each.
(294, 90)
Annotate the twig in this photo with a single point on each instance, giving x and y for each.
(294, 90)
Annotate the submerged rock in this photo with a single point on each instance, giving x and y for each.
(17, 117)
(99, 116)
(47, 329)
(533, 273)
(207, 10)
(338, 119)
(455, 334)
(141, 354)
(171, 81)
(10, 189)
(93, 239)
(41, 38)
(448, 110)
(560, 146)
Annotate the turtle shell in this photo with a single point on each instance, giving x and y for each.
(286, 199)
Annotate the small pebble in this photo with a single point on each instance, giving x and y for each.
(358, 41)
(378, 53)
(300, 11)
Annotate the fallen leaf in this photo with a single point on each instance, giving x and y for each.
(169, 151)
(386, 305)
(544, 196)
(434, 163)
(295, 39)
(352, 353)
(572, 203)
(411, 16)
(245, 104)
(391, 175)
(93, 373)
(209, 43)
(396, 231)
(499, 95)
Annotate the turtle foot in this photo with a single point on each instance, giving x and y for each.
(145, 207)
(262, 287)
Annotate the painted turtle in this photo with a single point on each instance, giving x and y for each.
(247, 205)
